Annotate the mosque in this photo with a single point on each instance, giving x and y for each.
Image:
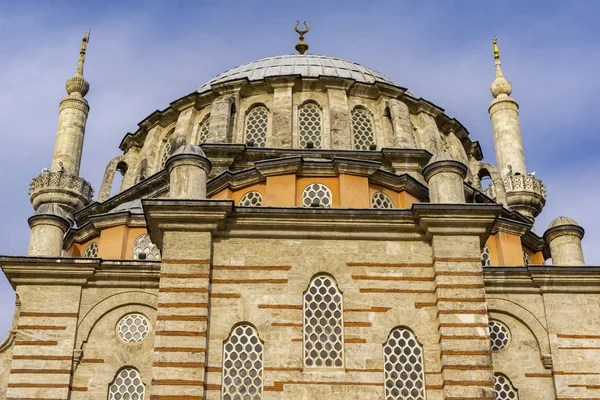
(299, 227)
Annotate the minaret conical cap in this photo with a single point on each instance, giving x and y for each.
(77, 83)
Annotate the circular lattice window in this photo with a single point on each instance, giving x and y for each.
(504, 388)
(144, 249)
(91, 251)
(133, 328)
(499, 335)
(256, 126)
(251, 199)
(362, 128)
(127, 385)
(486, 259)
(316, 195)
(309, 125)
(381, 200)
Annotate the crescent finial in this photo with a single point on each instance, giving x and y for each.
(301, 46)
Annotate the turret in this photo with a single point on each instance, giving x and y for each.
(188, 171)
(563, 237)
(524, 192)
(57, 193)
(445, 177)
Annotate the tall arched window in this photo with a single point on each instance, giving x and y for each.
(127, 385)
(309, 126)
(486, 258)
(317, 195)
(203, 130)
(362, 129)
(403, 366)
(167, 149)
(256, 126)
(144, 249)
(504, 388)
(91, 251)
(242, 365)
(323, 324)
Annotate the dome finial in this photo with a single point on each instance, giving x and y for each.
(500, 87)
(77, 82)
(301, 46)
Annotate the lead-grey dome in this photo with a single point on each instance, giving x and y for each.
(307, 66)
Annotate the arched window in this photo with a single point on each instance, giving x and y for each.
(256, 126)
(91, 251)
(251, 199)
(486, 259)
(203, 130)
(309, 126)
(317, 195)
(127, 385)
(504, 388)
(144, 249)
(403, 366)
(499, 335)
(242, 365)
(323, 324)
(381, 200)
(362, 129)
(167, 150)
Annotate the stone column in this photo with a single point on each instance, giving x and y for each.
(445, 177)
(564, 239)
(504, 114)
(403, 135)
(69, 134)
(132, 158)
(188, 170)
(48, 226)
(281, 136)
(339, 116)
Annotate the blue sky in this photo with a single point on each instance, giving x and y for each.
(143, 55)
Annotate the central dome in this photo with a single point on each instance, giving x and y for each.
(306, 66)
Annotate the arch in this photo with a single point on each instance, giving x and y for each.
(363, 131)
(381, 200)
(144, 249)
(203, 129)
(504, 388)
(108, 304)
(496, 189)
(91, 251)
(251, 199)
(323, 326)
(501, 308)
(127, 381)
(317, 195)
(257, 121)
(118, 163)
(141, 173)
(404, 371)
(310, 126)
(243, 364)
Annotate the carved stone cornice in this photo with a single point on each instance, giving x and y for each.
(539, 279)
(62, 188)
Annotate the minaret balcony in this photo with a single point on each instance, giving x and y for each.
(62, 188)
(524, 193)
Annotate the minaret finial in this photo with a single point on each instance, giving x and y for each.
(496, 52)
(500, 87)
(301, 46)
(77, 83)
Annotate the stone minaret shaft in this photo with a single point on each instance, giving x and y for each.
(504, 113)
(71, 120)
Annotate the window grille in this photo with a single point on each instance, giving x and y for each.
(486, 259)
(127, 386)
(504, 388)
(144, 249)
(256, 126)
(166, 153)
(323, 324)
(133, 328)
(251, 199)
(403, 367)
(309, 125)
(362, 128)
(203, 130)
(499, 335)
(317, 195)
(91, 251)
(243, 365)
(381, 200)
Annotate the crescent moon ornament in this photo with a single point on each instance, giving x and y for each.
(301, 46)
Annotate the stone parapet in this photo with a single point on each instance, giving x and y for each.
(524, 193)
(62, 188)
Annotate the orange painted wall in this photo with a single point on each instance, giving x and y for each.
(407, 200)
(281, 191)
(225, 194)
(354, 191)
(259, 187)
(505, 249)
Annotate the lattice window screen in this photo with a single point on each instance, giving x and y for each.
(504, 388)
(403, 367)
(144, 249)
(486, 259)
(251, 199)
(203, 130)
(242, 365)
(309, 125)
(381, 200)
(127, 386)
(133, 328)
(323, 324)
(91, 251)
(168, 149)
(362, 128)
(499, 335)
(317, 195)
(256, 126)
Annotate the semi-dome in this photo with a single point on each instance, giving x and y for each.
(306, 66)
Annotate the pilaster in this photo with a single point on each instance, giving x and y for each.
(403, 135)
(281, 136)
(185, 126)
(339, 116)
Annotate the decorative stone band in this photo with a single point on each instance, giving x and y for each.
(76, 102)
(519, 183)
(70, 191)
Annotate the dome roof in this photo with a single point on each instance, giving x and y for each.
(306, 66)
(134, 207)
(562, 221)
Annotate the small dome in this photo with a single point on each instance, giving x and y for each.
(501, 86)
(77, 84)
(134, 207)
(189, 149)
(305, 66)
(562, 221)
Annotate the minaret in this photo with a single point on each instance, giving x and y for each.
(524, 192)
(57, 193)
